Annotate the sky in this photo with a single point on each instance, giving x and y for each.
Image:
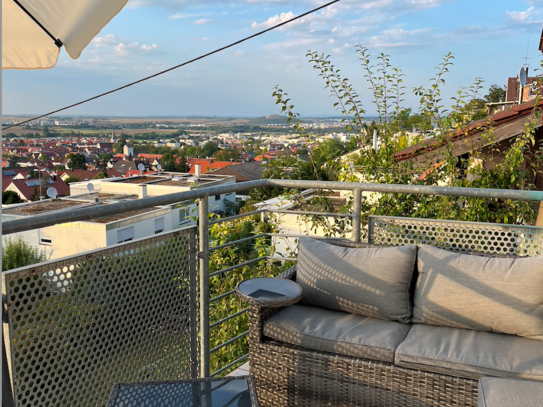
(489, 39)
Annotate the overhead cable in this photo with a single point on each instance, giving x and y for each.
(175, 67)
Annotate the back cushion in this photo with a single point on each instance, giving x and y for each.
(369, 282)
(481, 293)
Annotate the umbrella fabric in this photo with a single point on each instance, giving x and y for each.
(25, 45)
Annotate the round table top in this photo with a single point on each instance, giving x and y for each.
(269, 292)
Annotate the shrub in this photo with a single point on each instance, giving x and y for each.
(18, 253)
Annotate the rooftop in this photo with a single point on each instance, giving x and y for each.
(45, 206)
(124, 215)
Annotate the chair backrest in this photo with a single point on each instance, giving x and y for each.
(456, 236)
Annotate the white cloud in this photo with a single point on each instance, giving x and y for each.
(239, 53)
(149, 47)
(203, 21)
(206, 39)
(298, 42)
(178, 16)
(95, 60)
(105, 41)
(330, 41)
(277, 19)
(122, 49)
(398, 37)
(522, 17)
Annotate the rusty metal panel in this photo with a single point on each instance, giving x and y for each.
(79, 325)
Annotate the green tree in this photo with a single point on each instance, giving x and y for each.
(436, 120)
(76, 161)
(10, 197)
(495, 94)
(119, 145)
(13, 160)
(45, 131)
(21, 143)
(71, 179)
(18, 253)
(102, 174)
(35, 195)
(227, 154)
(209, 149)
(44, 157)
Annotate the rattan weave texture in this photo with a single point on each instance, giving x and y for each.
(78, 326)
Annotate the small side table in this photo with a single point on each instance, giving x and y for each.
(269, 292)
(210, 392)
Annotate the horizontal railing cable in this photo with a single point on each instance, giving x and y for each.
(228, 342)
(228, 366)
(176, 66)
(95, 211)
(228, 318)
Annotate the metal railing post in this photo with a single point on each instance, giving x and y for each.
(203, 229)
(7, 394)
(357, 202)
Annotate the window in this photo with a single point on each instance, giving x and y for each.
(183, 216)
(46, 237)
(159, 225)
(125, 235)
(217, 197)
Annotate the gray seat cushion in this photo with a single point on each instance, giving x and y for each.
(495, 392)
(486, 294)
(370, 282)
(336, 332)
(470, 354)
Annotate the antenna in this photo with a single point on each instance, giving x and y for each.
(141, 167)
(527, 48)
(159, 167)
(52, 192)
(90, 187)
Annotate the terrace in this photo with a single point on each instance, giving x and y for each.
(151, 309)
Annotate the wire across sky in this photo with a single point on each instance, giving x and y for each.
(174, 67)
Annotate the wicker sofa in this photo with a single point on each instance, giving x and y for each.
(344, 353)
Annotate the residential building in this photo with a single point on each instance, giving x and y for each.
(27, 189)
(251, 171)
(78, 237)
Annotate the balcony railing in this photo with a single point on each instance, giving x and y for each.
(139, 311)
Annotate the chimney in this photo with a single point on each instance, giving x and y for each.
(198, 170)
(142, 192)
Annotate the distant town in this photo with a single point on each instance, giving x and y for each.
(73, 149)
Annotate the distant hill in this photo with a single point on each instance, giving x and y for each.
(272, 119)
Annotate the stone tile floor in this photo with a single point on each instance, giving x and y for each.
(243, 370)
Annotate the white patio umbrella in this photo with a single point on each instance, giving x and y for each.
(34, 30)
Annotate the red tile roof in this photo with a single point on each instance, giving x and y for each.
(479, 126)
(27, 192)
(207, 165)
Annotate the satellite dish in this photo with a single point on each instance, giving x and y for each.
(159, 167)
(523, 76)
(90, 187)
(141, 167)
(52, 192)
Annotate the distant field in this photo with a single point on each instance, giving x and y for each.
(18, 131)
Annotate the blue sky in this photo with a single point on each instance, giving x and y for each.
(488, 37)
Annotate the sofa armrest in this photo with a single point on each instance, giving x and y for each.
(257, 315)
(289, 274)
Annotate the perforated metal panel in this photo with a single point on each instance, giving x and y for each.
(466, 237)
(119, 315)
